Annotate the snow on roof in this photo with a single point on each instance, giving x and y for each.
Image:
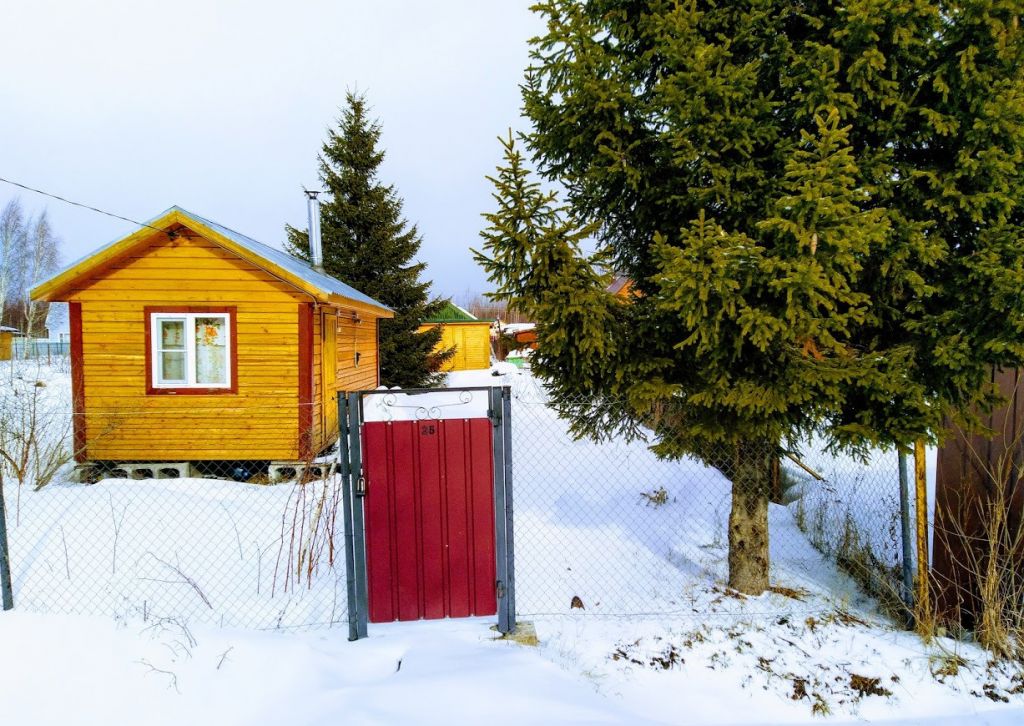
(8, 329)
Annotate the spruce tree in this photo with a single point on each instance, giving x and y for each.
(370, 246)
(819, 203)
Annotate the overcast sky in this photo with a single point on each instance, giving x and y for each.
(220, 106)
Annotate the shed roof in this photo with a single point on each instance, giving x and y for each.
(293, 270)
(620, 284)
(452, 313)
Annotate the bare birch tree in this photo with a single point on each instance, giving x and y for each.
(42, 259)
(12, 254)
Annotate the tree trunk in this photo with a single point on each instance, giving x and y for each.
(748, 520)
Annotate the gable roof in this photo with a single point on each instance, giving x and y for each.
(294, 271)
(452, 313)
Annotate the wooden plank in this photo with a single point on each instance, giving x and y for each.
(116, 310)
(79, 436)
(191, 272)
(305, 379)
(166, 288)
(170, 296)
(247, 326)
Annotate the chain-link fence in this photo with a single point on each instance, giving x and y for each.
(601, 529)
(238, 543)
(612, 528)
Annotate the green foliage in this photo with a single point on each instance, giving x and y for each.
(819, 204)
(368, 244)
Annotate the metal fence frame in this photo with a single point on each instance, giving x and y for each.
(32, 348)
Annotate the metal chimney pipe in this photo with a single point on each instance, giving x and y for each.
(316, 250)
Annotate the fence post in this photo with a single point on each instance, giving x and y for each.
(358, 512)
(344, 456)
(905, 533)
(6, 589)
(510, 549)
(506, 615)
(923, 602)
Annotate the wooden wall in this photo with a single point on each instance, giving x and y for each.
(123, 423)
(975, 472)
(356, 337)
(349, 376)
(472, 343)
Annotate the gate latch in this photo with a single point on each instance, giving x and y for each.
(361, 486)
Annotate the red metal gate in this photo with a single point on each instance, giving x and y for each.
(430, 519)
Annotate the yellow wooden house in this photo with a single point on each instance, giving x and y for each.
(467, 334)
(192, 342)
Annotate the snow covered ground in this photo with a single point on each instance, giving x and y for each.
(77, 670)
(64, 670)
(139, 575)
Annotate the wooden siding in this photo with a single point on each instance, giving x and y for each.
(472, 343)
(356, 337)
(319, 440)
(351, 337)
(260, 422)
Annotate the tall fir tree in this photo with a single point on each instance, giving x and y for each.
(821, 206)
(368, 244)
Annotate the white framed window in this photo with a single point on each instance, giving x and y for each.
(190, 350)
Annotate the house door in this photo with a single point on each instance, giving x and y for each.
(329, 375)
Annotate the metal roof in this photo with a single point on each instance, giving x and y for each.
(294, 265)
(452, 313)
(325, 283)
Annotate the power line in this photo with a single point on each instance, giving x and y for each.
(170, 233)
(79, 204)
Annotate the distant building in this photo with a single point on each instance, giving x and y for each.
(58, 323)
(6, 345)
(467, 334)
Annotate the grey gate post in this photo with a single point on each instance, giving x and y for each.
(499, 400)
(506, 432)
(358, 511)
(352, 493)
(344, 456)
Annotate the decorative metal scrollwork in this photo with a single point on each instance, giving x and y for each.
(389, 401)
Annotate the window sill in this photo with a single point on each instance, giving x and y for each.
(190, 391)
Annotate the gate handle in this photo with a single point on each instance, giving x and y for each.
(361, 487)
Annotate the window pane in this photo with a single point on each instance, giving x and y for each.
(172, 335)
(172, 367)
(211, 351)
